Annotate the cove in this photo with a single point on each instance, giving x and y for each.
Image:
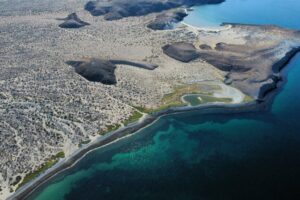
(194, 156)
(284, 13)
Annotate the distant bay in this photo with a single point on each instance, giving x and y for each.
(284, 13)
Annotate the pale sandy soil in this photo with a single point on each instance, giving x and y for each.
(221, 91)
(229, 92)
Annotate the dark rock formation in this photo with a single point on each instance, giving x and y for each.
(103, 71)
(117, 9)
(205, 47)
(249, 69)
(143, 65)
(252, 67)
(72, 21)
(95, 70)
(167, 20)
(181, 51)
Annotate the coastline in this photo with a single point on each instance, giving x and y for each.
(222, 27)
(133, 128)
(268, 91)
(114, 136)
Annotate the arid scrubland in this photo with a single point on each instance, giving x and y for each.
(47, 108)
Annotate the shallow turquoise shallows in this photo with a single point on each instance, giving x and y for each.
(190, 156)
(283, 13)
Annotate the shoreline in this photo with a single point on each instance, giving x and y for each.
(260, 104)
(135, 127)
(208, 29)
(140, 48)
(127, 131)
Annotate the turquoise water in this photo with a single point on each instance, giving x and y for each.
(283, 13)
(194, 156)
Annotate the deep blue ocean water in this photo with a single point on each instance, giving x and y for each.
(192, 156)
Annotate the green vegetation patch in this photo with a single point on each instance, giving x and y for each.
(84, 142)
(248, 99)
(210, 99)
(195, 100)
(174, 99)
(49, 163)
(136, 115)
(109, 128)
(142, 109)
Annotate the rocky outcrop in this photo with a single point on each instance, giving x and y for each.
(143, 65)
(252, 67)
(103, 71)
(117, 9)
(95, 70)
(182, 51)
(249, 69)
(167, 20)
(72, 21)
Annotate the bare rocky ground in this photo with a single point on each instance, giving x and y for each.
(252, 56)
